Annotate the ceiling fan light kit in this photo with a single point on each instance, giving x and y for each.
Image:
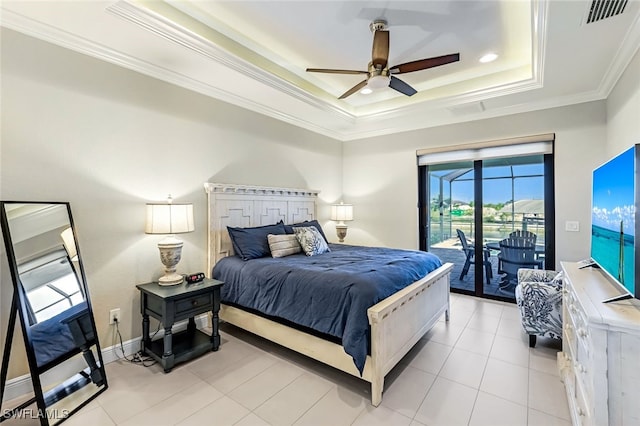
(378, 82)
(379, 74)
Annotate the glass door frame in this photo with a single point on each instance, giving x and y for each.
(549, 218)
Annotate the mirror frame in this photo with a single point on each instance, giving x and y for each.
(19, 306)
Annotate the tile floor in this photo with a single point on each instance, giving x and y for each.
(475, 370)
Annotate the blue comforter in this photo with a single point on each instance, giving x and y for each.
(329, 293)
(52, 338)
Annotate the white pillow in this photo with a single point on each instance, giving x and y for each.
(311, 240)
(283, 245)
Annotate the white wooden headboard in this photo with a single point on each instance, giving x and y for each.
(246, 206)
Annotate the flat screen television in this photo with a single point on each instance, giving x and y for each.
(615, 237)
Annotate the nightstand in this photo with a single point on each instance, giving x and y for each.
(169, 304)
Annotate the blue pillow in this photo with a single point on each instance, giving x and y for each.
(252, 243)
(289, 228)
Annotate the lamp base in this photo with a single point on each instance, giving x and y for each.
(170, 255)
(170, 279)
(341, 231)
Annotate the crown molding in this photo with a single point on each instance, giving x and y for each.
(175, 33)
(540, 11)
(47, 33)
(557, 102)
(624, 55)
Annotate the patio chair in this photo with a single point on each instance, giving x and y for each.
(516, 253)
(471, 258)
(526, 235)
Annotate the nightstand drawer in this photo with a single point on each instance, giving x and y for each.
(194, 305)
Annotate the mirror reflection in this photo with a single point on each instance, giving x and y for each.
(57, 321)
(50, 284)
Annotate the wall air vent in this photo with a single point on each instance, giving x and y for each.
(602, 9)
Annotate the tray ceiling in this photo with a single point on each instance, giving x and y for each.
(254, 54)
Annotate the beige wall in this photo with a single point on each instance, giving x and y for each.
(623, 110)
(380, 174)
(108, 140)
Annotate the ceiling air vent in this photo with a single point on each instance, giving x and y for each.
(602, 9)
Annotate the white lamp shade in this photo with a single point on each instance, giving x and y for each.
(69, 243)
(169, 218)
(342, 212)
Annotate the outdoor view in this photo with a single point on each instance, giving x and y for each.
(513, 199)
(613, 218)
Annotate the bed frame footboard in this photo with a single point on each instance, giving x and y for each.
(397, 323)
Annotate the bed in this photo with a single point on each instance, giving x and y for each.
(396, 323)
(52, 339)
(62, 336)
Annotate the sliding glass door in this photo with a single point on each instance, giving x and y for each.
(473, 206)
(451, 219)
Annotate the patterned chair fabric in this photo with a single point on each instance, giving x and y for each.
(539, 299)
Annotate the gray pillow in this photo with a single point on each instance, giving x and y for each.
(283, 245)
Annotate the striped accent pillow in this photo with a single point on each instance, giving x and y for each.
(283, 245)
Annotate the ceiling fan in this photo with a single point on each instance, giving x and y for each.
(380, 74)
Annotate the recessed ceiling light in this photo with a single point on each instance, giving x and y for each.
(366, 90)
(489, 57)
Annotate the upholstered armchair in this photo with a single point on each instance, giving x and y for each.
(539, 298)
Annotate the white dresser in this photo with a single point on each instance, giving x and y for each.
(600, 359)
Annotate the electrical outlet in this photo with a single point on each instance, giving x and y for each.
(114, 315)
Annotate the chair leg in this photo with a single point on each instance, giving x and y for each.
(465, 268)
(488, 267)
(532, 340)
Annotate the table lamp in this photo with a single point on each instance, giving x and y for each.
(169, 219)
(341, 212)
(69, 244)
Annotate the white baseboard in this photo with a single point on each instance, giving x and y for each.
(22, 385)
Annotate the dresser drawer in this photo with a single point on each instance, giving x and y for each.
(582, 369)
(569, 341)
(583, 410)
(582, 353)
(570, 317)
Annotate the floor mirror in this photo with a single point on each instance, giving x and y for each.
(51, 302)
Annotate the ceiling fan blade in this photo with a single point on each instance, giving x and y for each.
(401, 86)
(354, 89)
(423, 64)
(380, 50)
(330, 71)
